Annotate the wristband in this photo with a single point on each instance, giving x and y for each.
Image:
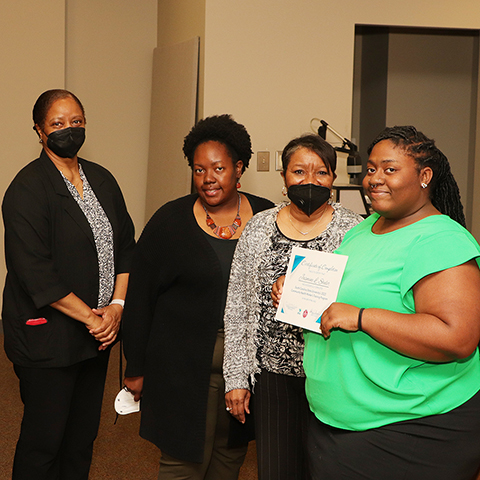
(118, 301)
(359, 324)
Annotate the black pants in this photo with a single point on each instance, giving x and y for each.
(62, 408)
(281, 411)
(438, 447)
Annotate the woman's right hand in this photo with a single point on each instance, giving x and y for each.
(134, 385)
(237, 402)
(277, 290)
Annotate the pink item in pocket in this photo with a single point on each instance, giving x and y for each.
(36, 321)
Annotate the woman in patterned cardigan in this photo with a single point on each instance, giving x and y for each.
(259, 349)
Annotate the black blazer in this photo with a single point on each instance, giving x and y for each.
(50, 252)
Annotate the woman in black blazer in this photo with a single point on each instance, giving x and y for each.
(68, 244)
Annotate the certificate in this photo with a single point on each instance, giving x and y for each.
(311, 286)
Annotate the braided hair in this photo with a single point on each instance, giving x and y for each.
(444, 192)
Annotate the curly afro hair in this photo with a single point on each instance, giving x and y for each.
(225, 130)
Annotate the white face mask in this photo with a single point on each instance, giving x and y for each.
(124, 402)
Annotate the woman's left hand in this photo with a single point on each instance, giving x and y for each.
(341, 316)
(108, 330)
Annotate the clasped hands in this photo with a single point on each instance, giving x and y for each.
(106, 324)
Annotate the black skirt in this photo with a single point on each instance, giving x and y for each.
(437, 447)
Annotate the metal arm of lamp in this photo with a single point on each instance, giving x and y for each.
(353, 196)
(354, 162)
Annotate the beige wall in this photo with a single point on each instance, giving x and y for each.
(276, 64)
(173, 110)
(101, 50)
(273, 64)
(179, 21)
(109, 55)
(32, 59)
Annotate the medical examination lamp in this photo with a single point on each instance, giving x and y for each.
(354, 162)
(350, 195)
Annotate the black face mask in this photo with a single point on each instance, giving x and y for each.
(308, 197)
(66, 142)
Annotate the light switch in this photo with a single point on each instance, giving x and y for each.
(263, 161)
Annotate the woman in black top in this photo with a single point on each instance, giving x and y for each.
(68, 245)
(174, 310)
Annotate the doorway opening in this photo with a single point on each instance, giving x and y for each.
(426, 77)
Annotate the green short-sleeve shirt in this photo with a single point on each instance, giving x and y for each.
(355, 382)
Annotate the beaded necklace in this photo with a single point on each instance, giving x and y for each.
(229, 230)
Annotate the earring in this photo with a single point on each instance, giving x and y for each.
(284, 191)
(40, 141)
(238, 185)
(424, 185)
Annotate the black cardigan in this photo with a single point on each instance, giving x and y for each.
(50, 252)
(171, 318)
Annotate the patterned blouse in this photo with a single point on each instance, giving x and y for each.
(102, 234)
(254, 340)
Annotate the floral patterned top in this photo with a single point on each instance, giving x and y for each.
(254, 340)
(102, 233)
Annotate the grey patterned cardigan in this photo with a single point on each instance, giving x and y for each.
(242, 312)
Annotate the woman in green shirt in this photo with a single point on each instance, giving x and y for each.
(393, 378)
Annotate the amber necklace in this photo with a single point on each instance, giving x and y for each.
(228, 231)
